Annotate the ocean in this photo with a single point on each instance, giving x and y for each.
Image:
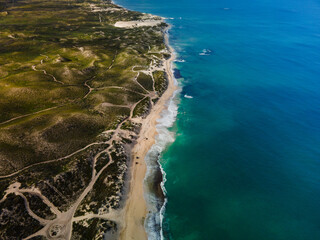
(241, 158)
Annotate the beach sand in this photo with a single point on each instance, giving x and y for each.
(136, 209)
(139, 23)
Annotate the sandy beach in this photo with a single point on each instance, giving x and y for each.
(136, 209)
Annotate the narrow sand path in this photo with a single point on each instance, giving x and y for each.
(45, 73)
(61, 226)
(30, 114)
(50, 161)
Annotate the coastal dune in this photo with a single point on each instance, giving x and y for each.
(136, 208)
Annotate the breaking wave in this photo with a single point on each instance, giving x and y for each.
(154, 190)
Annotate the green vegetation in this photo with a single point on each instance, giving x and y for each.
(160, 81)
(102, 160)
(64, 68)
(142, 108)
(107, 190)
(13, 217)
(97, 228)
(38, 207)
(131, 126)
(146, 81)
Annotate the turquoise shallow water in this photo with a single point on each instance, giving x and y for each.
(245, 163)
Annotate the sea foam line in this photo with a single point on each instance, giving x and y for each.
(155, 202)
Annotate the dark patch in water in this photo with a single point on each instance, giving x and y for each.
(176, 73)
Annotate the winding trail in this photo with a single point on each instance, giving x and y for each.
(30, 212)
(89, 87)
(70, 155)
(123, 88)
(30, 114)
(50, 161)
(113, 60)
(45, 72)
(51, 108)
(15, 189)
(48, 74)
(136, 81)
(61, 226)
(37, 192)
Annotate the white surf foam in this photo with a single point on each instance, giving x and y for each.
(180, 60)
(156, 206)
(205, 52)
(187, 96)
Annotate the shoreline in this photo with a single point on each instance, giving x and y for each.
(135, 210)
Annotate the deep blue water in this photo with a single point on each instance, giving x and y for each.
(246, 160)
